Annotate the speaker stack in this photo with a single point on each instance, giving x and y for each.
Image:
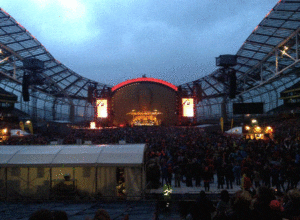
(25, 89)
(232, 83)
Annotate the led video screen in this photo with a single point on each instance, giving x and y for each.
(101, 108)
(188, 107)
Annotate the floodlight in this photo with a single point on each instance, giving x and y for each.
(253, 121)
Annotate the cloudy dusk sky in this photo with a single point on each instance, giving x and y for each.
(110, 41)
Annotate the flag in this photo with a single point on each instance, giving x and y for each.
(30, 128)
(22, 125)
(222, 124)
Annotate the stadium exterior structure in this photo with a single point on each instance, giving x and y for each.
(267, 64)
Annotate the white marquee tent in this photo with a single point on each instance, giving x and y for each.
(34, 171)
(235, 131)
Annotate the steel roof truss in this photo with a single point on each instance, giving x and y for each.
(71, 84)
(28, 49)
(211, 85)
(9, 34)
(267, 35)
(58, 81)
(81, 88)
(19, 41)
(55, 74)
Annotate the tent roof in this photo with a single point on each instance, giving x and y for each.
(72, 155)
(235, 130)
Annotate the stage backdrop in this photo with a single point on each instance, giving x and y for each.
(146, 95)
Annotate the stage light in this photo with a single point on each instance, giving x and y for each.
(258, 129)
(269, 129)
(28, 122)
(253, 121)
(4, 131)
(5, 59)
(285, 48)
(93, 125)
(247, 128)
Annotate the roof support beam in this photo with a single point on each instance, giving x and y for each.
(71, 84)
(211, 85)
(9, 34)
(20, 41)
(55, 74)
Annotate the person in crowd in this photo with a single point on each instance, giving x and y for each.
(282, 180)
(223, 206)
(170, 173)
(189, 173)
(42, 214)
(266, 177)
(292, 204)
(276, 210)
(229, 176)
(275, 176)
(203, 207)
(164, 172)
(220, 176)
(101, 214)
(261, 204)
(246, 182)
(240, 208)
(59, 215)
(237, 173)
(198, 173)
(177, 175)
(256, 179)
(206, 179)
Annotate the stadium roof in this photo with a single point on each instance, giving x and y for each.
(16, 44)
(267, 62)
(269, 54)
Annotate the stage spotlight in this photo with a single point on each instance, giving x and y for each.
(93, 125)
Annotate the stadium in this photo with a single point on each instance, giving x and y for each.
(83, 140)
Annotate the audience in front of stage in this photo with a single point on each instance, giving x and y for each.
(266, 203)
(192, 156)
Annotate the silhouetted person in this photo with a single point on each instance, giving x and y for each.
(203, 207)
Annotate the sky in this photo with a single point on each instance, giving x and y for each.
(111, 41)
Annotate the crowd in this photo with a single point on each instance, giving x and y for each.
(265, 204)
(45, 214)
(193, 156)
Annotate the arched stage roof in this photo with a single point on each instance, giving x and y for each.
(144, 79)
(268, 63)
